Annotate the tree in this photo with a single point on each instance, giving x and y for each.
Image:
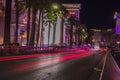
(71, 21)
(28, 25)
(51, 15)
(35, 6)
(17, 21)
(25, 7)
(7, 21)
(61, 13)
(32, 36)
(77, 30)
(42, 8)
(83, 33)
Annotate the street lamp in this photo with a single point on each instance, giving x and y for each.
(55, 6)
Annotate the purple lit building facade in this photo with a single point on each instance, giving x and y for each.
(117, 17)
(73, 9)
(22, 23)
(103, 37)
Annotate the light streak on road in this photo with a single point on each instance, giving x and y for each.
(50, 61)
(37, 55)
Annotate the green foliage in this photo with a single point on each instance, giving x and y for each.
(83, 32)
(52, 15)
(62, 11)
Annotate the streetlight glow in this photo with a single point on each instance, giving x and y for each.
(55, 6)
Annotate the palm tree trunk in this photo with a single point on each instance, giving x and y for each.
(62, 31)
(49, 32)
(54, 32)
(78, 31)
(71, 35)
(41, 32)
(28, 25)
(38, 31)
(17, 21)
(32, 37)
(7, 21)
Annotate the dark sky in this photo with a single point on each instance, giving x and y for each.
(97, 13)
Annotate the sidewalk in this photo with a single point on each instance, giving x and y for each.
(111, 71)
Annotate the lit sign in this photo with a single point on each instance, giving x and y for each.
(118, 29)
(73, 13)
(118, 26)
(72, 5)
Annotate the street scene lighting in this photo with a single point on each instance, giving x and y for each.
(55, 6)
(59, 40)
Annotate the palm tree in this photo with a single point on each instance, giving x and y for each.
(38, 28)
(71, 21)
(78, 32)
(77, 25)
(7, 21)
(28, 25)
(49, 26)
(31, 5)
(48, 23)
(54, 32)
(25, 6)
(42, 8)
(32, 36)
(17, 21)
(83, 33)
(53, 17)
(61, 13)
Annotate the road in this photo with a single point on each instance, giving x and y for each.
(75, 64)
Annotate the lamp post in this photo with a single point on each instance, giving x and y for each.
(55, 6)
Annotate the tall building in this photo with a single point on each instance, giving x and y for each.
(74, 10)
(102, 37)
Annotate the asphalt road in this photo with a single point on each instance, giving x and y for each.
(72, 65)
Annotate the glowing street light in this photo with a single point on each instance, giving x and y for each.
(55, 6)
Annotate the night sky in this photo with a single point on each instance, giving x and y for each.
(97, 13)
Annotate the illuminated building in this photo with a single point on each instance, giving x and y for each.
(22, 24)
(73, 9)
(117, 17)
(103, 37)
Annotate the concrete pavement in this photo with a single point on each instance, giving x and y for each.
(111, 71)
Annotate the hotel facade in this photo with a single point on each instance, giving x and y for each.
(73, 9)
